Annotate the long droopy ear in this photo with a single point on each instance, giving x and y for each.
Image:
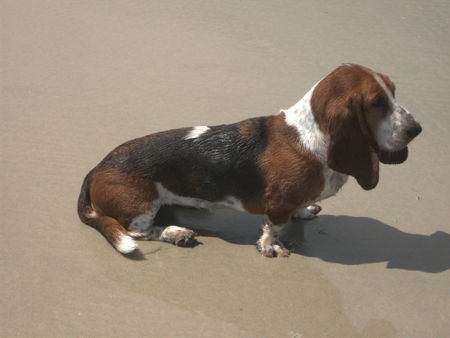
(350, 151)
(394, 157)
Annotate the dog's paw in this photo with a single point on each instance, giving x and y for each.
(179, 236)
(275, 250)
(280, 251)
(309, 212)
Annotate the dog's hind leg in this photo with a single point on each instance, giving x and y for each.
(120, 206)
(142, 227)
(108, 225)
(123, 207)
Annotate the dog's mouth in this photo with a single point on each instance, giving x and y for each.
(393, 157)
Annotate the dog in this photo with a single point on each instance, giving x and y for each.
(278, 165)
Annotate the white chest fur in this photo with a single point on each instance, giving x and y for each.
(333, 182)
(301, 117)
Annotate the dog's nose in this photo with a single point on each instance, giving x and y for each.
(414, 131)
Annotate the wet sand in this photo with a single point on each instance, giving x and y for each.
(79, 78)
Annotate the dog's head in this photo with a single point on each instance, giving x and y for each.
(356, 108)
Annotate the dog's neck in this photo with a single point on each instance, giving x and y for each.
(301, 117)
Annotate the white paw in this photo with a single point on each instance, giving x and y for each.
(309, 212)
(178, 235)
(268, 249)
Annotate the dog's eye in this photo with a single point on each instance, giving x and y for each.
(378, 102)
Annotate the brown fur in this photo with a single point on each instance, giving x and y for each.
(343, 106)
(246, 130)
(293, 176)
(120, 195)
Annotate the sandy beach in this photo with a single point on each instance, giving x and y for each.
(80, 77)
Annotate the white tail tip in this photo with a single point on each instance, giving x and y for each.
(125, 244)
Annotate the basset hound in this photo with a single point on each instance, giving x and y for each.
(278, 165)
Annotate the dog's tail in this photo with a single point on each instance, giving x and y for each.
(109, 227)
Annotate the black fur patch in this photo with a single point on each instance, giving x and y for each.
(218, 163)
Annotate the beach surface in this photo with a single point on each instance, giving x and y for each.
(80, 77)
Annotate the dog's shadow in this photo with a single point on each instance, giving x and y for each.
(339, 239)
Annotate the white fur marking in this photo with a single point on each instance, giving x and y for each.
(267, 239)
(232, 203)
(386, 89)
(196, 132)
(269, 243)
(301, 117)
(304, 214)
(125, 244)
(91, 214)
(142, 223)
(169, 198)
(171, 230)
(170, 233)
(333, 182)
(389, 135)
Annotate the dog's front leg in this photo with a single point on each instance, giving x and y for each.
(268, 244)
